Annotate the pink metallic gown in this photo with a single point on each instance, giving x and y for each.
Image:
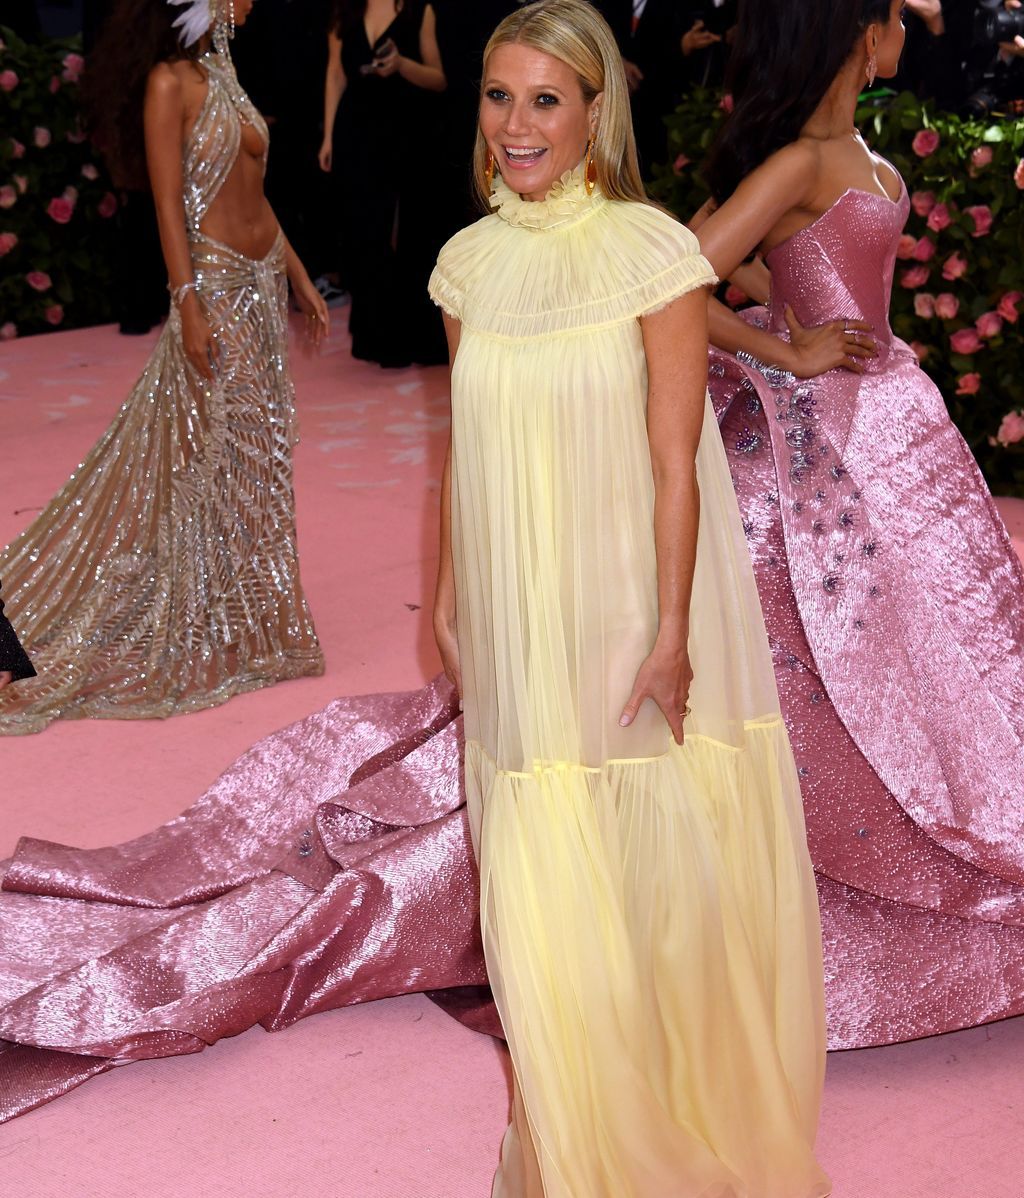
(331, 863)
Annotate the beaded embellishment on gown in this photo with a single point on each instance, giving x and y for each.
(163, 578)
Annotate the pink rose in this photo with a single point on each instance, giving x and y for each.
(73, 64)
(916, 276)
(89, 171)
(989, 325)
(8, 81)
(7, 243)
(981, 214)
(54, 85)
(965, 341)
(924, 251)
(1010, 431)
(60, 210)
(946, 305)
(8, 196)
(8, 331)
(108, 205)
(734, 296)
(920, 350)
(726, 103)
(969, 384)
(39, 280)
(680, 162)
(939, 218)
(981, 157)
(17, 149)
(924, 305)
(1007, 306)
(54, 314)
(906, 247)
(21, 182)
(922, 202)
(925, 142)
(1018, 174)
(40, 137)
(955, 267)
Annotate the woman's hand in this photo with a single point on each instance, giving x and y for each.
(6, 677)
(387, 60)
(930, 12)
(665, 677)
(326, 155)
(197, 338)
(813, 351)
(448, 645)
(311, 304)
(698, 38)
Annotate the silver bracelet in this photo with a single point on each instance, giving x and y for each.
(178, 293)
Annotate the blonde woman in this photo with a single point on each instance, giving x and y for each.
(647, 902)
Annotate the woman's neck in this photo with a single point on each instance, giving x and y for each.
(835, 115)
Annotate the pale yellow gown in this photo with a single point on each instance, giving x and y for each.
(649, 911)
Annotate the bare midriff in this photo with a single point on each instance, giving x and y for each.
(240, 215)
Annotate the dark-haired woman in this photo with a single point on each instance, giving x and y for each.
(379, 134)
(893, 598)
(163, 578)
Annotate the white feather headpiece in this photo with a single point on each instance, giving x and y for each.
(193, 22)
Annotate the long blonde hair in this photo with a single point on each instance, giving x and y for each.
(574, 32)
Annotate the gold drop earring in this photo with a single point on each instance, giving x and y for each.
(489, 172)
(590, 167)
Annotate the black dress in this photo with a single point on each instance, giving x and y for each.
(382, 133)
(12, 656)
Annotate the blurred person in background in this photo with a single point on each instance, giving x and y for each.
(383, 64)
(280, 57)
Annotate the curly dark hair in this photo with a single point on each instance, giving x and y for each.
(137, 35)
(785, 58)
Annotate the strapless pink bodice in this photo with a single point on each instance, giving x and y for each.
(841, 266)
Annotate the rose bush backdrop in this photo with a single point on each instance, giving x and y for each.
(56, 202)
(958, 296)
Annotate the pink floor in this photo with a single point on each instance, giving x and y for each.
(392, 1099)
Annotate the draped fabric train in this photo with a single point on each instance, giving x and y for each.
(917, 939)
(163, 577)
(895, 608)
(648, 910)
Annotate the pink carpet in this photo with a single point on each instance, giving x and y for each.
(392, 1099)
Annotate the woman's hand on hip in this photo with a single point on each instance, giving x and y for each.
(844, 343)
(6, 677)
(665, 677)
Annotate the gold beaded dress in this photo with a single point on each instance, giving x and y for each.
(164, 578)
(648, 910)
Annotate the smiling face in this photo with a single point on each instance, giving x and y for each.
(534, 118)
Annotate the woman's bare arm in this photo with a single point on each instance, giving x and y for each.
(675, 345)
(164, 127)
(334, 89)
(444, 595)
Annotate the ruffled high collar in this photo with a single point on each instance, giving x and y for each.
(566, 203)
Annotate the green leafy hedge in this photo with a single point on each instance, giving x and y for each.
(959, 286)
(56, 202)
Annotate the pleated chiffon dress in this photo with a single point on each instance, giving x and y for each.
(648, 910)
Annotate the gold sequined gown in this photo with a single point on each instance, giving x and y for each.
(163, 578)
